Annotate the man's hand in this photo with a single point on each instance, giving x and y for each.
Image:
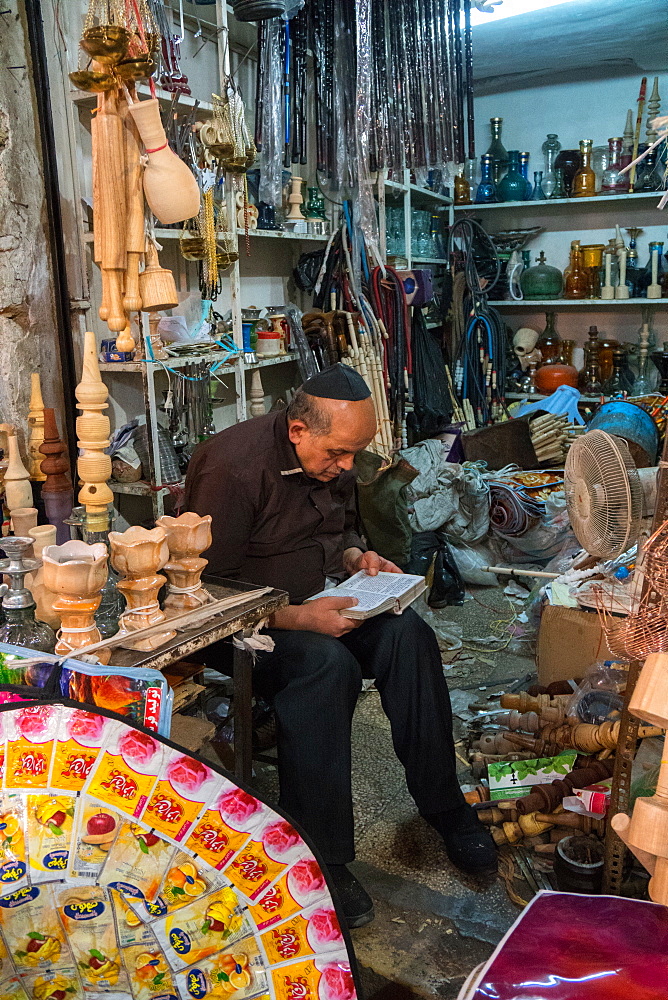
(354, 560)
(325, 615)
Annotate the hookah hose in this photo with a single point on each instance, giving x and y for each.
(388, 299)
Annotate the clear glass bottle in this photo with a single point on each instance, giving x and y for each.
(550, 149)
(584, 182)
(512, 187)
(600, 157)
(613, 182)
(497, 150)
(524, 170)
(648, 177)
(538, 194)
(462, 190)
(19, 626)
(94, 528)
(559, 190)
(633, 270)
(471, 174)
(486, 191)
(645, 378)
(644, 276)
(577, 281)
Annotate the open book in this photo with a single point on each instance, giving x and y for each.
(376, 594)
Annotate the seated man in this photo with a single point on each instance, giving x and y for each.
(281, 491)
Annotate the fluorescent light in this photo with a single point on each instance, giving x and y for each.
(512, 8)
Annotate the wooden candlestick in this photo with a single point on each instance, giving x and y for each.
(622, 289)
(76, 573)
(18, 491)
(256, 395)
(36, 425)
(496, 743)
(295, 199)
(94, 467)
(5, 430)
(125, 341)
(524, 702)
(653, 106)
(156, 284)
(138, 554)
(654, 289)
(585, 737)
(608, 289)
(187, 537)
(57, 491)
(43, 535)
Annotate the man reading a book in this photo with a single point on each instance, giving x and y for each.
(281, 491)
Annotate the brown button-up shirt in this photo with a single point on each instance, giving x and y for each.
(272, 524)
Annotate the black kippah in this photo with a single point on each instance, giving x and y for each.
(337, 382)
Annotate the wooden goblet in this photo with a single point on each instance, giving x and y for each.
(187, 537)
(138, 554)
(76, 573)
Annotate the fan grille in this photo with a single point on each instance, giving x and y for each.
(603, 494)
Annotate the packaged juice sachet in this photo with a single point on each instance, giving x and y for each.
(88, 919)
(137, 862)
(125, 775)
(185, 784)
(50, 827)
(79, 739)
(29, 740)
(207, 925)
(236, 972)
(224, 827)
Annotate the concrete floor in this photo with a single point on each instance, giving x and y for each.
(433, 925)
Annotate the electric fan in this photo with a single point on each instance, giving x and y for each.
(605, 496)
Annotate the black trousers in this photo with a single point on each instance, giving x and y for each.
(314, 681)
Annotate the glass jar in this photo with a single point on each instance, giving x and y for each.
(569, 161)
(538, 194)
(512, 187)
(613, 182)
(486, 190)
(549, 342)
(577, 282)
(541, 281)
(584, 181)
(592, 260)
(648, 178)
(600, 157)
(550, 149)
(559, 190)
(497, 151)
(524, 170)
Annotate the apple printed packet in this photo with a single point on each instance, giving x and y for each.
(273, 848)
(78, 742)
(184, 785)
(88, 920)
(136, 862)
(224, 827)
(302, 885)
(95, 830)
(202, 928)
(327, 978)
(29, 738)
(125, 775)
(13, 844)
(50, 825)
(236, 972)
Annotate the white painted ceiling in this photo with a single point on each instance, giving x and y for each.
(582, 40)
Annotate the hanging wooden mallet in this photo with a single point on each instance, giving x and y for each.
(134, 203)
(109, 170)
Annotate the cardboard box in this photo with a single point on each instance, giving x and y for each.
(569, 641)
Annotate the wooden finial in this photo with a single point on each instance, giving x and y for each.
(256, 395)
(627, 145)
(57, 491)
(93, 466)
(653, 108)
(36, 425)
(18, 491)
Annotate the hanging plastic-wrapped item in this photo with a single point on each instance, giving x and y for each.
(271, 138)
(364, 207)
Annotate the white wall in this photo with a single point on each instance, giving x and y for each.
(577, 110)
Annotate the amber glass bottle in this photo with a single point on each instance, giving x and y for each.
(584, 182)
(549, 342)
(577, 281)
(462, 190)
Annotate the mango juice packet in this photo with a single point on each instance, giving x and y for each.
(183, 787)
(88, 920)
(79, 739)
(313, 932)
(32, 931)
(207, 925)
(265, 858)
(95, 829)
(225, 826)
(148, 971)
(61, 985)
(29, 739)
(137, 861)
(49, 825)
(125, 775)
(185, 879)
(322, 978)
(237, 972)
(13, 847)
(303, 884)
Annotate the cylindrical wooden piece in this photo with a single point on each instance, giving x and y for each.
(157, 287)
(93, 428)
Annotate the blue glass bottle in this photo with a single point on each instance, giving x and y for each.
(538, 194)
(524, 170)
(486, 191)
(512, 187)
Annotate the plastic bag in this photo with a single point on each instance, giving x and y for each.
(598, 697)
(471, 561)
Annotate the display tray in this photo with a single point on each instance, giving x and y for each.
(130, 867)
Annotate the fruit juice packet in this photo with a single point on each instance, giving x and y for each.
(87, 916)
(148, 971)
(313, 932)
(224, 827)
(327, 978)
(33, 932)
(49, 825)
(237, 972)
(303, 884)
(13, 848)
(130, 928)
(95, 829)
(207, 925)
(79, 739)
(61, 985)
(184, 785)
(186, 879)
(29, 740)
(137, 862)
(12, 989)
(274, 847)
(125, 775)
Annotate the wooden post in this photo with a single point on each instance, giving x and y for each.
(94, 467)
(36, 424)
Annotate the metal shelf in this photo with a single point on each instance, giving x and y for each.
(84, 97)
(418, 191)
(125, 367)
(550, 203)
(568, 303)
(285, 235)
(429, 260)
(532, 396)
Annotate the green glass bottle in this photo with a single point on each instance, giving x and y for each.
(541, 281)
(512, 187)
(497, 150)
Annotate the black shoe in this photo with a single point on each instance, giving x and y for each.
(467, 842)
(355, 901)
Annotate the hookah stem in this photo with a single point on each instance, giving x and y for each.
(293, 73)
(431, 85)
(317, 48)
(468, 49)
(286, 81)
(455, 14)
(636, 137)
(259, 83)
(303, 95)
